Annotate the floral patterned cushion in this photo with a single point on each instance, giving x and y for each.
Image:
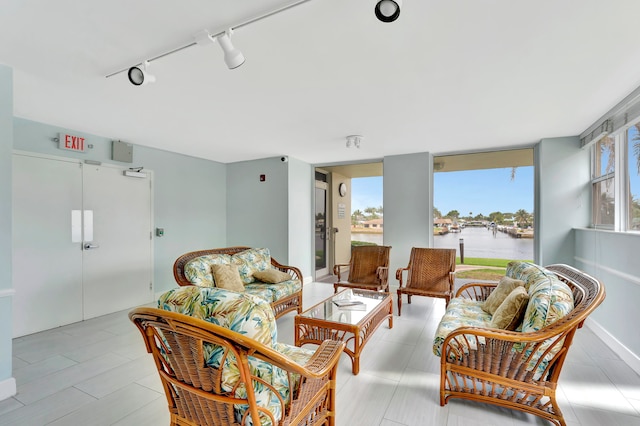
(240, 312)
(260, 290)
(279, 290)
(528, 272)
(549, 300)
(460, 312)
(250, 261)
(198, 270)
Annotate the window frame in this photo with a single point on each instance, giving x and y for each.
(597, 178)
(621, 182)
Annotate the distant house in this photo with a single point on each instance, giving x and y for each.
(442, 222)
(373, 223)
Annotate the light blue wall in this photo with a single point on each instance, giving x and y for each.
(408, 206)
(189, 193)
(612, 257)
(6, 145)
(563, 205)
(562, 200)
(301, 182)
(258, 212)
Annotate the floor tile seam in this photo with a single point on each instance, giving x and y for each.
(47, 374)
(397, 389)
(636, 406)
(137, 382)
(135, 412)
(75, 382)
(590, 407)
(106, 395)
(616, 385)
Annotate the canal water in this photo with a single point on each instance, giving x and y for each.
(478, 242)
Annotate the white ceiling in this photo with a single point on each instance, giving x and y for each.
(449, 76)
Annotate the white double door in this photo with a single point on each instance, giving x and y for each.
(82, 242)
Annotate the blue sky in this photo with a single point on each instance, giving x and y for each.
(477, 191)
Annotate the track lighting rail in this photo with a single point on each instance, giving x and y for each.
(233, 28)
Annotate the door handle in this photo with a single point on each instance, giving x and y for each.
(89, 246)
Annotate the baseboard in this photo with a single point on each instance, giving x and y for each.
(7, 388)
(307, 280)
(631, 359)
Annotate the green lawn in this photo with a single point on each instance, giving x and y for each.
(479, 261)
(495, 268)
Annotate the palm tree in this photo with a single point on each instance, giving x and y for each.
(522, 218)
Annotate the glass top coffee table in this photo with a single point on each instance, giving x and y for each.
(351, 323)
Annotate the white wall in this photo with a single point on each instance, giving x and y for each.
(562, 200)
(300, 201)
(7, 383)
(189, 193)
(408, 207)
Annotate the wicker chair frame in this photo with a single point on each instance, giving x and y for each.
(368, 269)
(193, 389)
(503, 369)
(430, 273)
(280, 306)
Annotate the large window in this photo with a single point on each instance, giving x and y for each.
(616, 190)
(603, 179)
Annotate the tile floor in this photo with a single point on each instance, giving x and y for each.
(98, 373)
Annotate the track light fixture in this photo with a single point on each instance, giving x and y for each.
(140, 75)
(388, 10)
(232, 56)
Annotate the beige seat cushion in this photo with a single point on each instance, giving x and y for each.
(511, 311)
(227, 277)
(272, 276)
(504, 288)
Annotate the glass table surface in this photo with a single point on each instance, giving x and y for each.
(328, 310)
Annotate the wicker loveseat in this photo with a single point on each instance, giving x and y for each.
(194, 268)
(516, 369)
(220, 362)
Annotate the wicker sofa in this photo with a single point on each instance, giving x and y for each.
(516, 369)
(194, 268)
(220, 362)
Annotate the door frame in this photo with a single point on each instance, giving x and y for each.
(82, 162)
(326, 185)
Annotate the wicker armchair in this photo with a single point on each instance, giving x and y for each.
(431, 273)
(368, 269)
(193, 388)
(510, 368)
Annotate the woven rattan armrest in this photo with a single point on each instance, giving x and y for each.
(383, 273)
(336, 268)
(324, 359)
(291, 270)
(476, 291)
(321, 362)
(399, 274)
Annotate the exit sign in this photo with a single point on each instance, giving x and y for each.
(71, 142)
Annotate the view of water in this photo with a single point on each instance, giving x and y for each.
(478, 242)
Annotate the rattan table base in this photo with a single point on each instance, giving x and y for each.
(317, 330)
